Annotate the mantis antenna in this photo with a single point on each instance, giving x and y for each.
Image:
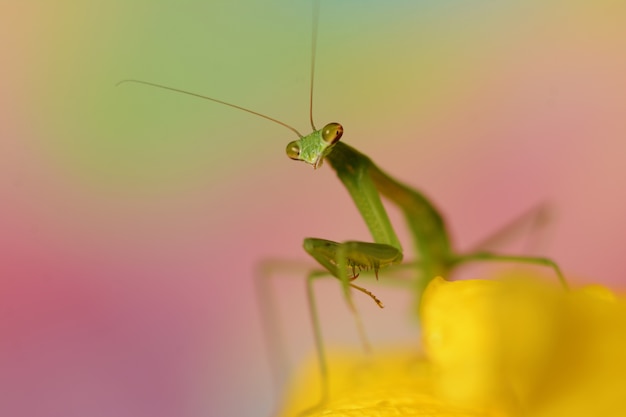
(177, 90)
(316, 13)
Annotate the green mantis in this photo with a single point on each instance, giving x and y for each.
(367, 184)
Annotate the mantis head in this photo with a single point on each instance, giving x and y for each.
(314, 147)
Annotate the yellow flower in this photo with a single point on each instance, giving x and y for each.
(511, 347)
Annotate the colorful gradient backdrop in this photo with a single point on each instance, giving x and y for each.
(131, 219)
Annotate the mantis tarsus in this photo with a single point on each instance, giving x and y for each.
(366, 183)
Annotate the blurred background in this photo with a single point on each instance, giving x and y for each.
(132, 219)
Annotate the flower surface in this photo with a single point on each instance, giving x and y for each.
(510, 347)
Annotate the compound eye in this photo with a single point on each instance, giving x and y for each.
(332, 133)
(293, 150)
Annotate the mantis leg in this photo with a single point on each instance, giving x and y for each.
(279, 363)
(533, 260)
(317, 334)
(532, 219)
(266, 272)
(346, 260)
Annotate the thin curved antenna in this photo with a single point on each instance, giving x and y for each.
(271, 119)
(316, 18)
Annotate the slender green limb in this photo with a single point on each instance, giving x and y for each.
(319, 343)
(317, 333)
(265, 274)
(532, 260)
(533, 218)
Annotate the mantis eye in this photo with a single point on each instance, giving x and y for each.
(293, 150)
(332, 133)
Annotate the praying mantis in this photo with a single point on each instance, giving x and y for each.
(367, 185)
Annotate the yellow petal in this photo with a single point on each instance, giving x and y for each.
(525, 347)
(390, 383)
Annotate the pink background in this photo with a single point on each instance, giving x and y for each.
(131, 219)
